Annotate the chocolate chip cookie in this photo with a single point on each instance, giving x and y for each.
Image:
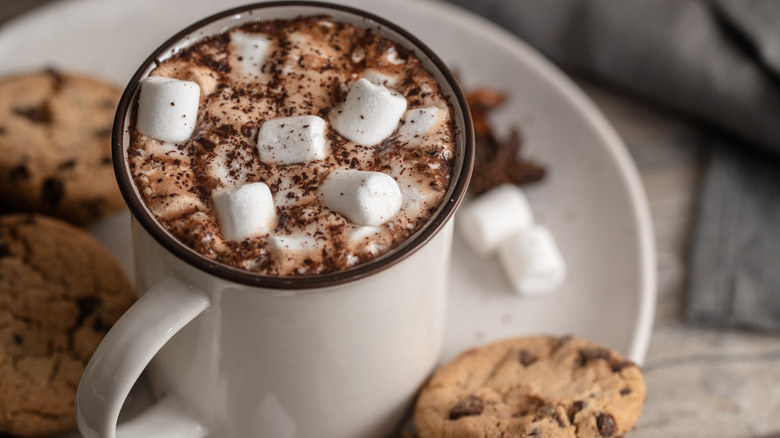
(55, 135)
(60, 291)
(532, 387)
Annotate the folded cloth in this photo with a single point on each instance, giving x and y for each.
(718, 62)
(735, 274)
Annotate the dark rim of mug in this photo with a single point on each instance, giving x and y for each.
(241, 276)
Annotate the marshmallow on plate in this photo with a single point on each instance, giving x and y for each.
(494, 216)
(250, 50)
(245, 212)
(532, 261)
(369, 114)
(290, 140)
(168, 108)
(363, 197)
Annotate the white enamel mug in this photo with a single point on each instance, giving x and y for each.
(232, 354)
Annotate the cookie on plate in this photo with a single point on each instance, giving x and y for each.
(55, 136)
(60, 291)
(532, 387)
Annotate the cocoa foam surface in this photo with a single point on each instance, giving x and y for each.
(310, 65)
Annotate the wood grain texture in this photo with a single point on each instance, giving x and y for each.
(701, 383)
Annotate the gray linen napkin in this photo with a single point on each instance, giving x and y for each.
(717, 62)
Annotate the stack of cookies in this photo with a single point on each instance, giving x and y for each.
(60, 290)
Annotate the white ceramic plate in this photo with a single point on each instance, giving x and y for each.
(592, 200)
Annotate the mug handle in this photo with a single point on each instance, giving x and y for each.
(124, 353)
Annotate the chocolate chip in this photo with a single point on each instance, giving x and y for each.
(617, 367)
(56, 77)
(87, 306)
(575, 408)
(18, 339)
(551, 411)
(5, 251)
(65, 165)
(19, 173)
(626, 391)
(94, 207)
(469, 406)
(2, 130)
(53, 191)
(105, 161)
(526, 357)
(203, 192)
(100, 326)
(557, 343)
(102, 132)
(606, 424)
(39, 114)
(535, 432)
(589, 354)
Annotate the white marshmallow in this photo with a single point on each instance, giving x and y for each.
(291, 243)
(379, 78)
(245, 212)
(493, 216)
(168, 108)
(532, 261)
(369, 114)
(289, 140)
(249, 50)
(365, 198)
(420, 121)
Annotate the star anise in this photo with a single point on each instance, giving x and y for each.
(497, 162)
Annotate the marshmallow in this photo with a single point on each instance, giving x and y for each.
(365, 198)
(246, 211)
(532, 261)
(289, 140)
(493, 216)
(420, 121)
(168, 108)
(379, 78)
(291, 243)
(250, 50)
(369, 114)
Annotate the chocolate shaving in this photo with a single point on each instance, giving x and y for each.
(203, 192)
(497, 162)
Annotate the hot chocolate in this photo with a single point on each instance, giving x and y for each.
(308, 146)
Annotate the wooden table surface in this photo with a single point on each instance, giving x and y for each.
(701, 382)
